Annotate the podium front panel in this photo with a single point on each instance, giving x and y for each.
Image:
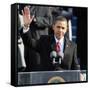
(45, 77)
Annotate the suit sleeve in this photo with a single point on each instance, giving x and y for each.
(30, 42)
(75, 63)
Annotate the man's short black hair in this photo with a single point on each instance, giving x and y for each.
(60, 18)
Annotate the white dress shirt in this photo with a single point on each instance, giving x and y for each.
(61, 41)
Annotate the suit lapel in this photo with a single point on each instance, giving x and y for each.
(67, 46)
(52, 43)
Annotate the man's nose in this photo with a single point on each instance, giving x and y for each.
(60, 30)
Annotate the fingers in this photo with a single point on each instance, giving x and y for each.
(26, 10)
(32, 17)
(26, 16)
(22, 12)
(82, 78)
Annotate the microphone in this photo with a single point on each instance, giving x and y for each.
(60, 56)
(53, 55)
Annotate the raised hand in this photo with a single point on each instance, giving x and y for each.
(27, 18)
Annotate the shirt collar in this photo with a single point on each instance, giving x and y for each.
(60, 41)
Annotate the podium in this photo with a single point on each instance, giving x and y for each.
(49, 77)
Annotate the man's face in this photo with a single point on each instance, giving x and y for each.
(60, 28)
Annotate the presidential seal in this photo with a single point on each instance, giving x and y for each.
(56, 79)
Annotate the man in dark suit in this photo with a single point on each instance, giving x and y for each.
(39, 26)
(46, 44)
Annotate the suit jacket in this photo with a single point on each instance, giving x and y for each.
(45, 45)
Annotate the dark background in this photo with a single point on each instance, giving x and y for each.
(82, 31)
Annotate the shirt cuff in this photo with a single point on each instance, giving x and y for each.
(25, 30)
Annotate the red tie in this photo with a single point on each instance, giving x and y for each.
(57, 47)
